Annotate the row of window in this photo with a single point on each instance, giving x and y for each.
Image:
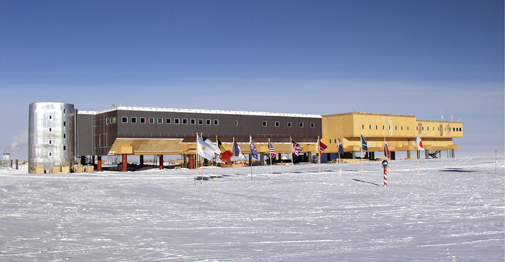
(193, 121)
(50, 154)
(408, 128)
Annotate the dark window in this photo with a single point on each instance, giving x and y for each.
(277, 124)
(168, 121)
(151, 120)
(64, 148)
(64, 111)
(184, 121)
(134, 120)
(200, 121)
(264, 123)
(65, 123)
(64, 136)
(312, 125)
(50, 130)
(176, 121)
(301, 124)
(160, 120)
(362, 126)
(192, 121)
(107, 121)
(124, 119)
(50, 117)
(50, 141)
(142, 120)
(236, 122)
(290, 124)
(370, 127)
(376, 127)
(216, 122)
(208, 122)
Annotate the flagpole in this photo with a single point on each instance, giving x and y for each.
(361, 154)
(270, 154)
(339, 162)
(319, 151)
(250, 155)
(201, 134)
(215, 157)
(292, 161)
(196, 158)
(233, 150)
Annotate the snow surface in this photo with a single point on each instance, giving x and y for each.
(453, 210)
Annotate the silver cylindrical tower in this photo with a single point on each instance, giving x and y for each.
(51, 135)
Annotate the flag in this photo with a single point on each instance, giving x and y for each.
(254, 152)
(340, 147)
(272, 151)
(321, 147)
(363, 143)
(238, 151)
(216, 149)
(296, 148)
(419, 143)
(386, 149)
(204, 149)
(226, 154)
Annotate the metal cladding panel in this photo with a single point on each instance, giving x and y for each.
(85, 135)
(51, 138)
(105, 131)
(225, 126)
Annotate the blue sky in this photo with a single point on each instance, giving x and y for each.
(421, 58)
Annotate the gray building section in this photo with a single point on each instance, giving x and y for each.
(85, 133)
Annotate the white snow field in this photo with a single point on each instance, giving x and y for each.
(453, 210)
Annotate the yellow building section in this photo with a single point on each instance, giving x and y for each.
(400, 132)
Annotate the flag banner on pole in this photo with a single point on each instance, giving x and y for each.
(226, 154)
(205, 150)
(340, 147)
(238, 151)
(363, 143)
(272, 151)
(321, 147)
(215, 148)
(386, 149)
(296, 148)
(254, 152)
(419, 143)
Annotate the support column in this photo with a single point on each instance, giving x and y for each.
(250, 159)
(279, 157)
(83, 160)
(309, 156)
(453, 153)
(141, 160)
(161, 162)
(184, 161)
(262, 159)
(353, 155)
(426, 154)
(99, 163)
(191, 161)
(408, 154)
(418, 154)
(125, 162)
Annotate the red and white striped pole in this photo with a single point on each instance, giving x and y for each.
(385, 165)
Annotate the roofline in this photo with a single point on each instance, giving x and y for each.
(200, 111)
(364, 113)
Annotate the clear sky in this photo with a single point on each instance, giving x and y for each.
(423, 58)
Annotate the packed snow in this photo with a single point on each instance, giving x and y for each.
(439, 210)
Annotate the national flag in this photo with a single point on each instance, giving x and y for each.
(363, 143)
(254, 152)
(296, 148)
(340, 147)
(419, 143)
(238, 151)
(272, 151)
(226, 154)
(204, 149)
(216, 149)
(386, 149)
(321, 147)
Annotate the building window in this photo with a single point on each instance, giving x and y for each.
(376, 127)
(64, 148)
(142, 120)
(423, 128)
(362, 126)
(114, 120)
(106, 121)
(408, 128)
(124, 119)
(428, 128)
(184, 121)
(65, 123)
(208, 122)
(64, 136)
(290, 124)
(301, 124)
(389, 127)
(401, 127)
(160, 120)
(64, 111)
(312, 125)
(216, 122)
(50, 141)
(382, 127)
(50, 129)
(370, 127)
(151, 120)
(264, 123)
(236, 122)
(50, 117)
(134, 120)
(200, 121)
(176, 121)
(335, 141)
(396, 127)
(277, 124)
(453, 129)
(50, 154)
(168, 121)
(192, 121)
